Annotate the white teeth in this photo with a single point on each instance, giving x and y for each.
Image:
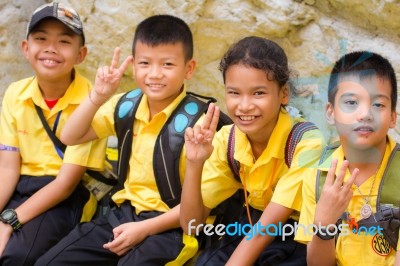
(48, 61)
(247, 117)
(364, 129)
(156, 85)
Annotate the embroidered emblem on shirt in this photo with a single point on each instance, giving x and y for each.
(380, 245)
(23, 132)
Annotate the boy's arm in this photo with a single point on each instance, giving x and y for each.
(198, 149)
(44, 199)
(78, 128)
(251, 247)
(52, 194)
(10, 165)
(335, 198)
(397, 260)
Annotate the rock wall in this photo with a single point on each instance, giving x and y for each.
(314, 33)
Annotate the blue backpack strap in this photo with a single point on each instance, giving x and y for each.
(169, 142)
(124, 115)
(169, 145)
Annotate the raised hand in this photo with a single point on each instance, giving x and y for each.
(198, 140)
(335, 196)
(108, 78)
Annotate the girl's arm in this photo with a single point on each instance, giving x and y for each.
(252, 246)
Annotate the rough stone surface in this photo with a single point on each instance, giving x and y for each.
(313, 33)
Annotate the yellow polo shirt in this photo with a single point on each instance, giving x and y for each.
(353, 249)
(140, 186)
(21, 127)
(267, 179)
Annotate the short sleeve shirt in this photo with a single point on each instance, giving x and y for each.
(140, 187)
(21, 127)
(268, 178)
(352, 249)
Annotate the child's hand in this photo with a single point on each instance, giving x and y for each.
(126, 236)
(198, 140)
(108, 78)
(335, 195)
(5, 234)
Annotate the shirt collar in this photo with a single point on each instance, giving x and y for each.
(143, 112)
(339, 155)
(243, 152)
(75, 94)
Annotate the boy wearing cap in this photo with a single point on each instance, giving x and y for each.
(41, 197)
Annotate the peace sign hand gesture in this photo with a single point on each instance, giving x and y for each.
(198, 140)
(335, 196)
(108, 78)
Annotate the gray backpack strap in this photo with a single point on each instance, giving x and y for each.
(295, 135)
(387, 213)
(321, 175)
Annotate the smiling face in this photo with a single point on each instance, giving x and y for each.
(53, 50)
(160, 71)
(362, 111)
(253, 101)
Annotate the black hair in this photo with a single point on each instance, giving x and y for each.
(164, 29)
(363, 64)
(259, 53)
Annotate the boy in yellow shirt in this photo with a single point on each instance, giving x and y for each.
(142, 229)
(362, 96)
(41, 198)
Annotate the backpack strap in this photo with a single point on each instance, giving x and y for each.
(388, 200)
(169, 142)
(124, 115)
(233, 164)
(294, 137)
(387, 213)
(169, 145)
(388, 193)
(321, 175)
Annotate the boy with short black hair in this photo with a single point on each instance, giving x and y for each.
(142, 229)
(41, 198)
(362, 96)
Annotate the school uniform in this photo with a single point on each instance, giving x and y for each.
(138, 200)
(20, 127)
(268, 179)
(352, 249)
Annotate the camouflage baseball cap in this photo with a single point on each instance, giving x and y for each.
(68, 16)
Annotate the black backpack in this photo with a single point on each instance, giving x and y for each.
(387, 213)
(169, 142)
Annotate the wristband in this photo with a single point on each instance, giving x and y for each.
(91, 100)
(324, 234)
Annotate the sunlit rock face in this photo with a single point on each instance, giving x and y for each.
(314, 33)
